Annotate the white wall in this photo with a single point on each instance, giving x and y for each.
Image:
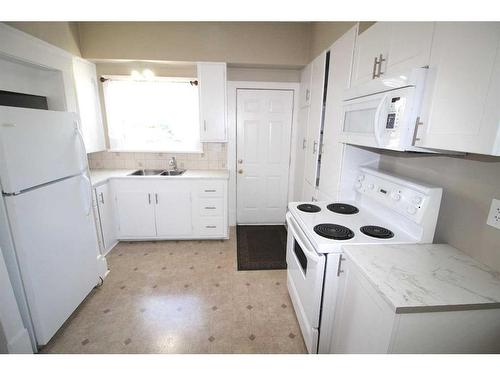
(469, 184)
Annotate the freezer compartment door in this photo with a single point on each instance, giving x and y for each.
(37, 147)
(56, 245)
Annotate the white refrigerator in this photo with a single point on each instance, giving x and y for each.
(53, 253)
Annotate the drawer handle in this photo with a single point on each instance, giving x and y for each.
(211, 226)
(210, 191)
(210, 208)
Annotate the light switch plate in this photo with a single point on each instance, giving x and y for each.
(494, 215)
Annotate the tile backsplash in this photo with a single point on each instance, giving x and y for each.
(214, 156)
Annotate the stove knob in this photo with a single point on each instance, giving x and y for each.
(416, 200)
(396, 196)
(371, 186)
(412, 210)
(358, 185)
(361, 177)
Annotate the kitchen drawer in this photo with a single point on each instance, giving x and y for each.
(211, 226)
(211, 206)
(211, 189)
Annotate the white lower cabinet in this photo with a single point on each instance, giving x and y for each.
(166, 209)
(135, 213)
(173, 212)
(106, 222)
(365, 323)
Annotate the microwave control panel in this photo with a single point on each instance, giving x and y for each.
(394, 114)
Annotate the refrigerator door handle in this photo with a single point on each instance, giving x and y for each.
(82, 143)
(87, 180)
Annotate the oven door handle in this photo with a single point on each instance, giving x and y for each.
(307, 250)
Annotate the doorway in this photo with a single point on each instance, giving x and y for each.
(263, 131)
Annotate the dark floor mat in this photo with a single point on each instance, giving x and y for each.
(261, 247)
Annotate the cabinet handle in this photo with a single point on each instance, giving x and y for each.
(211, 226)
(374, 72)
(315, 147)
(149, 198)
(205, 125)
(210, 208)
(339, 268)
(102, 198)
(210, 191)
(380, 61)
(308, 94)
(156, 198)
(304, 144)
(415, 131)
(240, 161)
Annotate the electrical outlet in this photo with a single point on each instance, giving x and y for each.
(494, 215)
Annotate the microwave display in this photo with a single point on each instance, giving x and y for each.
(391, 119)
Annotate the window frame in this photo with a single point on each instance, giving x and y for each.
(128, 78)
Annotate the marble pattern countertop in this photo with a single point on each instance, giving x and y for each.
(425, 278)
(100, 176)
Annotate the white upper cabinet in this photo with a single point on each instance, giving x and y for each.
(314, 119)
(212, 90)
(89, 108)
(305, 86)
(391, 47)
(409, 46)
(369, 46)
(461, 110)
(338, 81)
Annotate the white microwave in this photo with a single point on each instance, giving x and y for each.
(383, 113)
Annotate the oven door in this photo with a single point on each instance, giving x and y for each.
(305, 273)
(380, 120)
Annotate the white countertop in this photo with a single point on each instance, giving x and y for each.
(423, 278)
(100, 176)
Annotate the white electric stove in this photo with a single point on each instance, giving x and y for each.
(386, 209)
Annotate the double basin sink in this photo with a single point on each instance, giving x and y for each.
(157, 172)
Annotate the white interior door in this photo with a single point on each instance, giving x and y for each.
(264, 120)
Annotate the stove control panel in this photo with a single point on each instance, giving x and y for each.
(402, 199)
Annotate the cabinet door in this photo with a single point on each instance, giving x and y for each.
(136, 216)
(314, 119)
(106, 216)
(369, 45)
(460, 110)
(305, 86)
(212, 91)
(409, 46)
(89, 108)
(173, 212)
(363, 320)
(338, 81)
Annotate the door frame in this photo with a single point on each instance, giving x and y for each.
(232, 87)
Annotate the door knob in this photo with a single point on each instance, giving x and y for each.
(240, 171)
(240, 161)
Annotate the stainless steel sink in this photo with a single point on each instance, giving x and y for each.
(178, 172)
(147, 172)
(157, 172)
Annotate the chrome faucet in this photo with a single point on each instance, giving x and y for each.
(173, 163)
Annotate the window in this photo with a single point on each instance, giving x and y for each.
(158, 115)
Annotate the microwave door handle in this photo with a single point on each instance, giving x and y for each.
(376, 122)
